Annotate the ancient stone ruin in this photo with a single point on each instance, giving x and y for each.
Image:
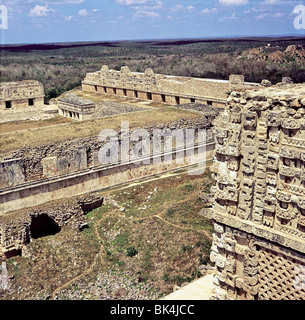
(259, 194)
(160, 88)
(259, 207)
(22, 94)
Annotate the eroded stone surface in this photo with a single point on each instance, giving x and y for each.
(259, 239)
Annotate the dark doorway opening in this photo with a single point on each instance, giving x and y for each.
(31, 102)
(163, 98)
(149, 96)
(42, 226)
(13, 253)
(8, 104)
(177, 100)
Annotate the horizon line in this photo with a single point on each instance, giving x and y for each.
(159, 39)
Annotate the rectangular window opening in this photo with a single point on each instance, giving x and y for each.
(8, 104)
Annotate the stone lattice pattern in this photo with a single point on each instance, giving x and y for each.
(260, 192)
(279, 277)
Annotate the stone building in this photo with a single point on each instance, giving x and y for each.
(74, 107)
(259, 208)
(173, 90)
(22, 94)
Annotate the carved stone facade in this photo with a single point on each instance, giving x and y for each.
(22, 94)
(162, 88)
(259, 209)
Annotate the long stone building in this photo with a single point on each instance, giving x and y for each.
(259, 210)
(162, 88)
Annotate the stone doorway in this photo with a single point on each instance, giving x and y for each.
(42, 226)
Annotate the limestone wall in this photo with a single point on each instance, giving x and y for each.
(260, 193)
(45, 161)
(39, 192)
(22, 94)
(11, 172)
(161, 88)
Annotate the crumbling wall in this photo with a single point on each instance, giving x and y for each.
(15, 228)
(11, 173)
(36, 163)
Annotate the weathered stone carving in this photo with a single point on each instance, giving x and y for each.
(266, 222)
(22, 94)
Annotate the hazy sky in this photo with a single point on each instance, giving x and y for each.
(38, 21)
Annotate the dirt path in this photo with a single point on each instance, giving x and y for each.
(100, 255)
(206, 234)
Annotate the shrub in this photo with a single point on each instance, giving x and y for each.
(131, 251)
(170, 211)
(188, 188)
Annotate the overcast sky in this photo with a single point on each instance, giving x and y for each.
(41, 21)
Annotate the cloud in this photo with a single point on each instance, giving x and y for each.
(64, 1)
(190, 8)
(142, 5)
(268, 2)
(209, 11)
(83, 12)
(146, 14)
(233, 2)
(177, 7)
(262, 16)
(69, 18)
(133, 2)
(180, 7)
(60, 2)
(274, 15)
(40, 11)
(232, 17)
